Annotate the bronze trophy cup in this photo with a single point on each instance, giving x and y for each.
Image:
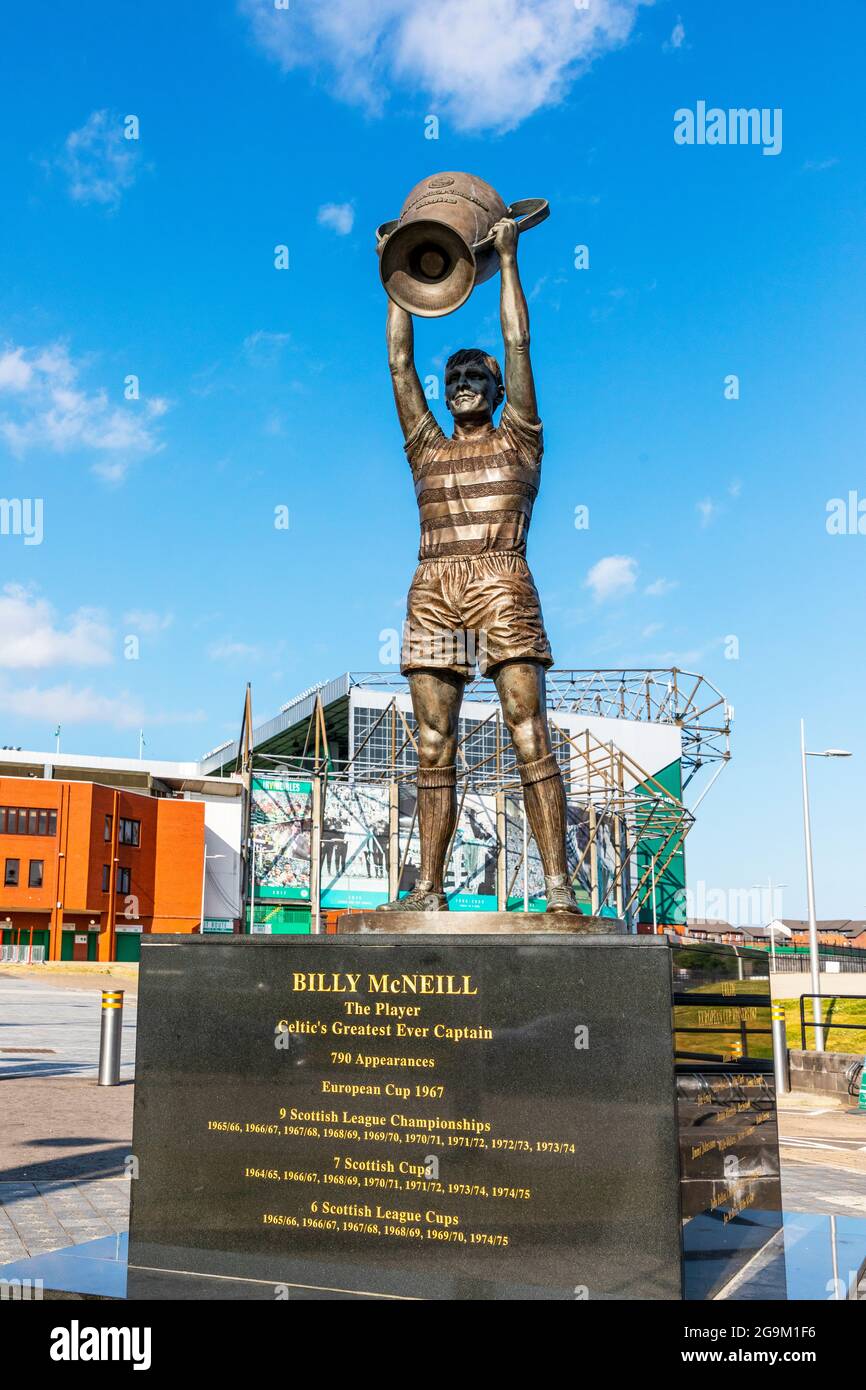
(440, 247)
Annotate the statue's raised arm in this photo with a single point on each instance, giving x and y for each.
(408, 391)
(514, 316)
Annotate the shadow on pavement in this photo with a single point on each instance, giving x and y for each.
(100, 1163)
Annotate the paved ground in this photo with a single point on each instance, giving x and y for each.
(36, 1217)
(784, 985)
(52, 1028)
(64, 1141)
(823, 1152)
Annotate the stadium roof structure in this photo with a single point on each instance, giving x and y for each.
(657, 695)
(152, 776)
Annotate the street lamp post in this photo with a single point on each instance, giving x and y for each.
(814, 959)
(253, 886)
(207, 857)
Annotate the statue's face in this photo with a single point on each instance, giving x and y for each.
(471, 391)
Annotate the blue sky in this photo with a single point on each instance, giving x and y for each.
(262, 388)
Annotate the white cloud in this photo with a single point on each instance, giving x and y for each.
(482, 66)
(686, 658)
(66, 704)
(707, 510)
(232, 651)
(145, 620)
(340, 217)
(48, 408)
(660, 587)
(613, 577)
(30, 636)
(98, 161)
(110, 472)
(678, 35)
(651, 629)
(15, 373)
(263, 346)
(63, 704)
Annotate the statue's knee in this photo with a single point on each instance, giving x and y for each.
(435, 749)
(531, 740)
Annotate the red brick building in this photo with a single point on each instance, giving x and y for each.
(836, 931)
(85, 868)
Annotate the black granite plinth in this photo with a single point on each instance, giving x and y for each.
(428, 1117)
(729, 1140)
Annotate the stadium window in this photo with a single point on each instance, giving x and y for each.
(35, 876)
(52, 822)
(106, 878)
(2, 820)
(11, 821)
(123, 881)
(11, 879)
(43, 822)
(107, 832)
(33, 823)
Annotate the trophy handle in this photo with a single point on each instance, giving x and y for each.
(527, 213)
(384, 231)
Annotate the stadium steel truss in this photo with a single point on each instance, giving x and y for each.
(656, 695)
(623, 802)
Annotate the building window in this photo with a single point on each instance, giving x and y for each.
(106, 878)
(12, 873)
(128, 831)
(123, 881)
(107, 832)
(20, 820)
(35, 877)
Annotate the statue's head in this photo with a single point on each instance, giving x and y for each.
(473, 385)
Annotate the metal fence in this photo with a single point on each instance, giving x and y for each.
(826, 1020)
(22, 955)
(843, 961)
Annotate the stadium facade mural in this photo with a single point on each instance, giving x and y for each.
(281, 823)
(356, 869)
(470, 875)
(524, 882)
(355, 845)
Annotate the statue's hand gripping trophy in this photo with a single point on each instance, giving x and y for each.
(472, 600)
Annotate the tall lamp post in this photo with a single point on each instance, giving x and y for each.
(814, 962)
(206, 861)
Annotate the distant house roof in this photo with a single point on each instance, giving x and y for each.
(844, 926)
(708, 926)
